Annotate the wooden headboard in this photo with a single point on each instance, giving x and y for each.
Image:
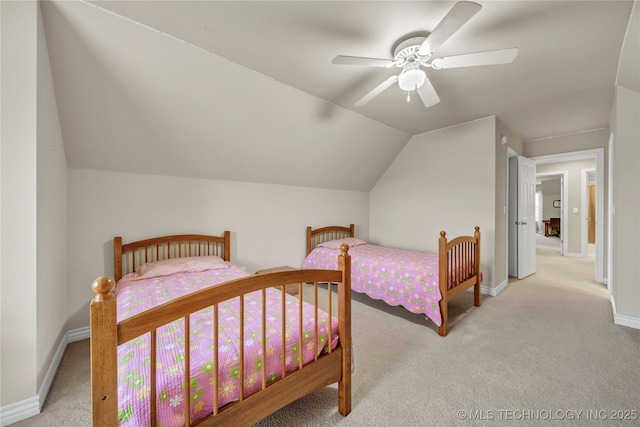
(126, 258)
(324, 234)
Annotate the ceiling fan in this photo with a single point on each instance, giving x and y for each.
(414, 53)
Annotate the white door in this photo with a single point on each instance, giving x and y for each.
(526, 221)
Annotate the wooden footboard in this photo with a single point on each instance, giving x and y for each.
(459, 269)
(330, 366)
(458, 263)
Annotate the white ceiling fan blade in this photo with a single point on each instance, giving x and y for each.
(428, 94)
(376, 91)
(357, 60)
(459, 14)
(490, 57)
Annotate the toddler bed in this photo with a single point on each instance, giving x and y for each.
(422, 282)
(187, 338)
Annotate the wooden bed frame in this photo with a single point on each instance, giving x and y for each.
(454, 276)
(106, 333)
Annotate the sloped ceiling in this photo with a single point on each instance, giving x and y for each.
(246, 91)
(629, 69)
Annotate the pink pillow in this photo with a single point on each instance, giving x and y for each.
(179, 265)
(335, 244)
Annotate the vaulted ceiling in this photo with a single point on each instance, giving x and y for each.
(246, 91)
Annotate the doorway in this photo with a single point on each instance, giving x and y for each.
(554, 191)
(598, 156)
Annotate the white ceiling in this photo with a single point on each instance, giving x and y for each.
(246, 90)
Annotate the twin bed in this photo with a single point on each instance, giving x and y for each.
(187, 338)
(422, 282)
(180, 336)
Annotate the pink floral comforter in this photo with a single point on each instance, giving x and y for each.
(133, 357)
(395, 276)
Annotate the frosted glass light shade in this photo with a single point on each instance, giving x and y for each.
(411, 79)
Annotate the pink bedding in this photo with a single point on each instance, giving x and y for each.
(134, 296)
(395, 276)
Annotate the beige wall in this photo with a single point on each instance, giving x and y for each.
(52, 219)
(626, 207)
(34, 216)
(441, 180)
(18, 239)
(267, 222)
(550, 191)
(580, 141)
(501, 209)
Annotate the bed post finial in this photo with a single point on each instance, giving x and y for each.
(102, 286)
(344, 248)
(443, 234)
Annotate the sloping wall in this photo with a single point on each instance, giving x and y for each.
(132, 99)
(441, 180)
(267, 222)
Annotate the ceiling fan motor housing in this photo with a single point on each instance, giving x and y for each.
(407, 52)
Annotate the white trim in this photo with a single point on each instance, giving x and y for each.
(18, 411)
(27, 408)
(78, 334)
(628, 321)
(610, 212)
(569, 156)
(621, 319)
(574, 255)
(494, 291)
(51, 372)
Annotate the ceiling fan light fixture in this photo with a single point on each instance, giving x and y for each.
(412, 77)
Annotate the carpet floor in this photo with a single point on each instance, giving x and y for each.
(544, 350)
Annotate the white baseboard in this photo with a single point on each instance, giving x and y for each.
(18, 411)
(488, 290)
(24, 409)
(575, 255)
(621, 319)
(78, 334)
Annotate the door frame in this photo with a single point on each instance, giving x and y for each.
(598, 155)
(564, 196)
(585, 207)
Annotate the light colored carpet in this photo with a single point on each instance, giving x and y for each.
(545, 348)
